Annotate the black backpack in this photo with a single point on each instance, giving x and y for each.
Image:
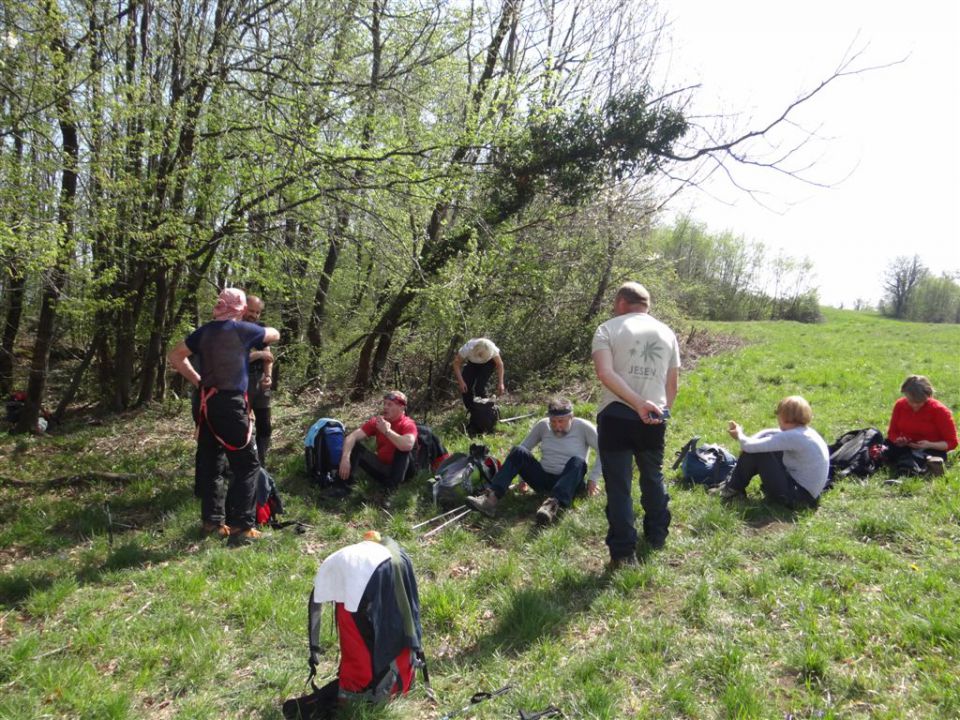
(428, 452)
(461, 475)
(322, 448)
(484, 416)
(858, 452)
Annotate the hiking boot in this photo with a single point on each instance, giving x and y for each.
(485, 503)
(621, 562)
(729, 493)
(934, 466)
(548, 511)
(214, 528)
(245, 536)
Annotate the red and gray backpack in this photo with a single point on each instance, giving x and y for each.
(377, 615)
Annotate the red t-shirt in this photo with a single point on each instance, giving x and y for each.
(932, 422)
(385, 449)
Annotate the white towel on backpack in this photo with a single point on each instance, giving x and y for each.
(343, 576)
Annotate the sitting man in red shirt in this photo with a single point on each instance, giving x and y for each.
(921, 428)
(395, 435)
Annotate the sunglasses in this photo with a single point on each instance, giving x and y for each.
(393, 397)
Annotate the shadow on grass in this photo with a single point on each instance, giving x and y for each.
(759, 514)
(528, 614)
(131, 526)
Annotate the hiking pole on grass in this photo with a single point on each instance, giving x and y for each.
(461, 511)
(478, 697)
(437, 517)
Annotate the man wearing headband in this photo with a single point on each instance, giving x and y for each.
(565, 441)
(473, 365)
(221, 349)
(637, 359)
(395, 435)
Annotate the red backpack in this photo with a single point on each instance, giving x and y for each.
(377, 616)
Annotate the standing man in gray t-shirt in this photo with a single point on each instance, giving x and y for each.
(565, 442)
(637, 359)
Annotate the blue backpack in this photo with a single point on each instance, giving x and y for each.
(322, 448)
(707, 465)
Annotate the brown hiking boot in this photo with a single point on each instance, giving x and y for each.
(485, 503)
(548, 511)
(245, 536)
(213, 528)
(934, 466)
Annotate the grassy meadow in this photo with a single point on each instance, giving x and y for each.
(112, 605)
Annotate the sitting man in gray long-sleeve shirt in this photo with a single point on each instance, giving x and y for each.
(565, 442)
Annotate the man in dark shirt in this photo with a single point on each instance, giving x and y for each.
(223, 348)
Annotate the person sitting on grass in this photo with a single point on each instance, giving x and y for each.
(395, 434)
(792, 461)
(920, 428)
(565, 442)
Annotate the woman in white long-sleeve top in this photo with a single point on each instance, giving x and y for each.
(792, 460)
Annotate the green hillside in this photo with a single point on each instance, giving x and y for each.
(113, 606)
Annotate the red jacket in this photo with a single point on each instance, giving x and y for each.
(932, 422)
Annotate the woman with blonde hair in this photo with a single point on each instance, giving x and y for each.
(792, 460)
(922, 430)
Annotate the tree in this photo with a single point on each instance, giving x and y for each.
(900, 280)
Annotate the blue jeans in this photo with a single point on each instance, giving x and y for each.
(521, 462)
(623, 439)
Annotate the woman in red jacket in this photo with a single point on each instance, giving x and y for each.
(920, 427)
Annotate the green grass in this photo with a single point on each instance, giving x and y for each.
(113, 606)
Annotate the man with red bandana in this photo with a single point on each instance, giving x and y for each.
(395, 435)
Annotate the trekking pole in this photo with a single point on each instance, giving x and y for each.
(517, 417)
(478, 697)
(452, 520)
(441, 515)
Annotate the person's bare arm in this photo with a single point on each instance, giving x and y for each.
(458, 374)
(179, 359)
(348, 442)
(403, 443)
(498, 363)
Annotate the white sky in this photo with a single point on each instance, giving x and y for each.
(889, 138)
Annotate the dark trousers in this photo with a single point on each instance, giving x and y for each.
(476, 376)
(623, 438)
(521, 461)
(227, 416)
(390, 475)
(264, 429)
(775, 481)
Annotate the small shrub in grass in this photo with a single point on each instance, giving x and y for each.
(810, 663)
(879, 528)
(740, 701)
(45, 602)
(696, 606)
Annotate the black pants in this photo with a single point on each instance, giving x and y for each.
(264, 430)
(774, 479)
(624, 439)
(390, 475)
(227, 417)
(476, 376)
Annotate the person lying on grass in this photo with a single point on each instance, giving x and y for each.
(921, 430)
(792, 460)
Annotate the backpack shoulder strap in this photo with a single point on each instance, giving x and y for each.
(682, 452)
